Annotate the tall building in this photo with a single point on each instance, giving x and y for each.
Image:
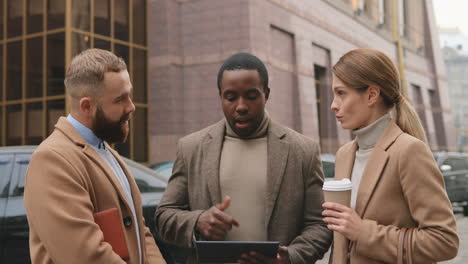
(38, 39)
(173, 64)
(455, 51)
(299, 40)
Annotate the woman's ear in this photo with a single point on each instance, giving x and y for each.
(373, 95)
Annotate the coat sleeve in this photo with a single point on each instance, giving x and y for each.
(435, 238)
(60, 211)
(153, 254)
(315, 238)
(175, 221)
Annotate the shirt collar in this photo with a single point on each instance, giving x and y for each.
(86, 133)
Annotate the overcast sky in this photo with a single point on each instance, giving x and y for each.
(452, 13)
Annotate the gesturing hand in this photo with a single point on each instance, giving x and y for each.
(214, 223)
(342, 219)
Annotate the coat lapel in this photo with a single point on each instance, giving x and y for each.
(278, 150)
(375, 166)
(345, 161)
(68, 130)
(93, 155)
(211, 152)
(133, 185)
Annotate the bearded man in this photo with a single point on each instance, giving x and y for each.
(75, 174)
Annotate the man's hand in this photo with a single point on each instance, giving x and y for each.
(214, 223)
(253, 257)
(343, 220)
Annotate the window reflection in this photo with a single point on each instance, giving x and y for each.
(124, 52)
(139, 75)
(102, 17)
(79, 43)
(141, 141)
(34, 67)
(102, 44)
(55, 109)
(34, 123)
(14, 62)
(15, 18)
(55, 64)
(14, 125)
(35, 12)
(139, 21)
(6, 165)
(121, 13)
(56, 14)
(80, 14)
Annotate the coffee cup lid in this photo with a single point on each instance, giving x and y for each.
(341, 185)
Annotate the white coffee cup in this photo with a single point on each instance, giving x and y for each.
(338, 191)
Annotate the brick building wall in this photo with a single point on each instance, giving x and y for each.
(298, 40)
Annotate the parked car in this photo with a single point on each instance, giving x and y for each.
(164, 168)
(328, 164)
(14, 230)
(454, 168)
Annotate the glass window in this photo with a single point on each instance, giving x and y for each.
(34, 123)
(139, 22)
(1, 72)
(328, 169)
(55, 109)
(56, 14)
(19, 175)
(34, 67)
(80, 14)
(102, 44)
(35, 11)
(1, 21)
(124, 52)
(139, 76)
(14, 62)
(145, 180)
(121, 23)
(140, 135)
(55, 64)
(79, 43)
(15, 18)
(457, 163)
(6, 165)
(14, 125)
(102, 17)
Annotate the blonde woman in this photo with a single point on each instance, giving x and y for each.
(399, 206)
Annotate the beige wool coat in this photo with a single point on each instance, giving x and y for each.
(66, 183)
(401, 187)
(293, 201)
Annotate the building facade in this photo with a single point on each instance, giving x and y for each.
(299, 40)
(455, 51)
(173, 49)
(38, 39)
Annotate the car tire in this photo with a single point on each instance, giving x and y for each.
(465, 210)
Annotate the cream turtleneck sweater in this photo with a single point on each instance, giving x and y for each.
(366, 138)
(243, 176)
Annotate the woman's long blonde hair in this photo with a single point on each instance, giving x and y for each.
(362, 68)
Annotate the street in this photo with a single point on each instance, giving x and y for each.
(462, 258)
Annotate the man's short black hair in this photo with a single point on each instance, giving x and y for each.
(244, 61)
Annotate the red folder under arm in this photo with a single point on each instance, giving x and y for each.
(110, 223)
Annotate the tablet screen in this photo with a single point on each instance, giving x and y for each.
(231, 251)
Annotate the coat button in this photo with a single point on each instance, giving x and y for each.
(127, 221)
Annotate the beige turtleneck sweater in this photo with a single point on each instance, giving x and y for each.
(243, 176)
(366, 138)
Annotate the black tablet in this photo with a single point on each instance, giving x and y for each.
(231, 251)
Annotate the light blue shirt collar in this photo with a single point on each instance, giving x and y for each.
(86, 133)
